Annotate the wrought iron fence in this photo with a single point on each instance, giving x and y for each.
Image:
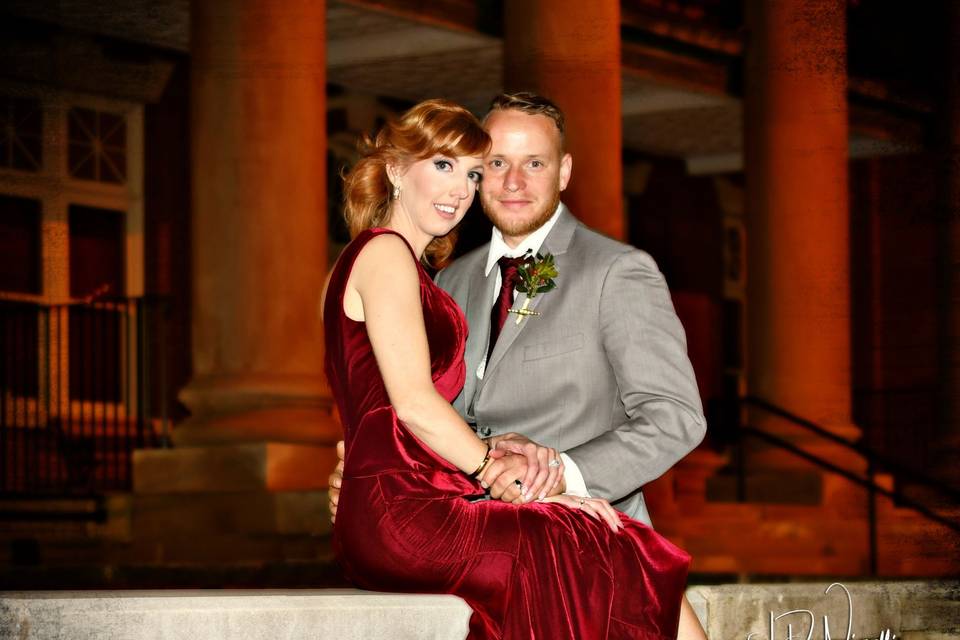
(81, 386)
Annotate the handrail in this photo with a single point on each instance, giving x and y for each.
(865, 452)
(871, 458)
(9, 512)
(865, 483)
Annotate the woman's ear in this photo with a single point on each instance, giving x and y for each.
(393, 174)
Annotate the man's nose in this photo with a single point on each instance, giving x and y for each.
(513, 181)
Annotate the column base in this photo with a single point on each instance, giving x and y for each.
(250, 466)
(316, 426)
(257, 408)
(230, 504)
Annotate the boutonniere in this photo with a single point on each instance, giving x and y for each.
(535, 277)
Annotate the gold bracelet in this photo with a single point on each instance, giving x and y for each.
(486, 459)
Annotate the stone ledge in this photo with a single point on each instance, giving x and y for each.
(345, 614)
(912, 610)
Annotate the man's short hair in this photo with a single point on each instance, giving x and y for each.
(529, 103)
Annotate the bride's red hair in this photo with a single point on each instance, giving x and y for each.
(429, 128)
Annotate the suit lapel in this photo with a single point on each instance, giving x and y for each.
(556, 243)
(510, 332)
(479, 302)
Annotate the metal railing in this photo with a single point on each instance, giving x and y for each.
(875, 463)
(81, 386)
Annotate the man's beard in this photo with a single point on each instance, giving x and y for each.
(515, 227)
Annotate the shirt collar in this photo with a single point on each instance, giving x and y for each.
(533, 242)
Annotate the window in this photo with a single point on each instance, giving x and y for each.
(20, 258)
(71, 251)
(97, 145)
(97, 240)
(21, 134)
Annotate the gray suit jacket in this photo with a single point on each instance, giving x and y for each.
(601, 375)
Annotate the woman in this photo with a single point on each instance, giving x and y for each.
(564, 567)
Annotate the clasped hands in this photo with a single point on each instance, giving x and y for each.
(519, 471)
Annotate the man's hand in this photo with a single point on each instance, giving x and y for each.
(541, 478)
(336, 478)
(501, 477)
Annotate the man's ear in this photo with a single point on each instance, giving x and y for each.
(566, 166)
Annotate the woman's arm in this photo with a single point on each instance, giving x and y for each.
(387, 281)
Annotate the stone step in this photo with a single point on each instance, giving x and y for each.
(254, 512)
(172, 549)
(310, 574)
(768, 567)
(224, 549)
(345, 614)
(790, 486)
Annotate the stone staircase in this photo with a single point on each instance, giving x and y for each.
(828, 536)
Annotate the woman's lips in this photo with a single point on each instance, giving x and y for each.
(446, 210)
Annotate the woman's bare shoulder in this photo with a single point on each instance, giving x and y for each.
(386, 252)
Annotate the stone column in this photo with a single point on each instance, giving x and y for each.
(569, 51)
(245, 482)
(261, 418)
(259, 223)
(796, 152)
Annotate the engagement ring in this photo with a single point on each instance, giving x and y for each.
(554, 463)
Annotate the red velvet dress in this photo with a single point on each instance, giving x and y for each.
(539, 570)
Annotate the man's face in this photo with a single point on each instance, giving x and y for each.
(526, 170)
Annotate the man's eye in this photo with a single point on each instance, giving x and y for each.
(536, 164)
(443, 165)
(496, 164)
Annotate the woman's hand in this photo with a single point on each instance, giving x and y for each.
(335, 480)
(541, 477)
(594, 507)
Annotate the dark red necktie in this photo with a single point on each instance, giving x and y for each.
(501, 308)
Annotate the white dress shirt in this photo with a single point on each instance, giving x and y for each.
(575, 483)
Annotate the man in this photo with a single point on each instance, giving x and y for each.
(601, 372)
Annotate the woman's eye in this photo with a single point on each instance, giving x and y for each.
(475, 176)
(443, 165)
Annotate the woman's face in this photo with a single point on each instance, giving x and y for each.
(436, 192)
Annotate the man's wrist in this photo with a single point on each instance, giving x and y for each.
(573, 482)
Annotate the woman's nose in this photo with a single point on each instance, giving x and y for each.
(461, 188)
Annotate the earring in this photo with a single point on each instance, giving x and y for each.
(396, 192)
